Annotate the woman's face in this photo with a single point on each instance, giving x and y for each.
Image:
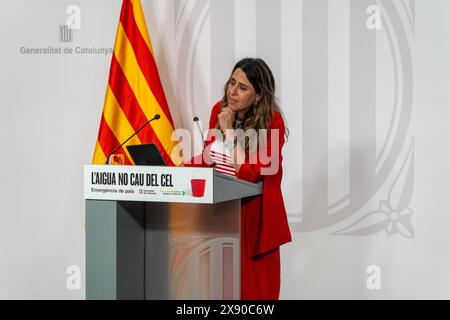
(241, 94)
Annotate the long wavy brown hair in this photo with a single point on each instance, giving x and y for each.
(261, 77)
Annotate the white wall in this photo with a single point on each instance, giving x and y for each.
(367, 110)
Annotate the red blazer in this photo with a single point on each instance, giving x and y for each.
(264, 225)
(266, 222)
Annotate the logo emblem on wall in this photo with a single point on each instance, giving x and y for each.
(380, 175)
(378, 182)
(383, 203)
(73, 22)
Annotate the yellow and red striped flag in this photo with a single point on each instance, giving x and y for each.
(134, 93)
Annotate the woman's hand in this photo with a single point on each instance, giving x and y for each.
(226, 119)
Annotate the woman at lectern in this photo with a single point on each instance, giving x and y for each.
(247, 136)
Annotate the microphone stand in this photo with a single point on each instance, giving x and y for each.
(213, 163)
(156, 117)
(201, 133)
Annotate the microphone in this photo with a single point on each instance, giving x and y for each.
(199, 129)
(213, 164)
(156, 117)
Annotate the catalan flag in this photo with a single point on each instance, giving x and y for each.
(134, 93)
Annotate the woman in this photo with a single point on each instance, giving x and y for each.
(249, 104)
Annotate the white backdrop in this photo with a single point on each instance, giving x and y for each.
(365, 96)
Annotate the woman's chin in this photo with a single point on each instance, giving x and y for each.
(232, 107)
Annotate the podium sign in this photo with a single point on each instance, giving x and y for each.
(163, 184)
(148, 183)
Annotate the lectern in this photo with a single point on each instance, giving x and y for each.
(163, 232)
